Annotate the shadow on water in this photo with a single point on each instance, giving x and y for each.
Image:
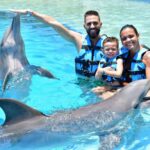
(18, 87)
(86, 85)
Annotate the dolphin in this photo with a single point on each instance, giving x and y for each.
(95, 118)
(12, 55)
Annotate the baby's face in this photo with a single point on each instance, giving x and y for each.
(110, 49)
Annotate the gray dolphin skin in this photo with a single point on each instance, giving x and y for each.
(12, 54)
(22, 119)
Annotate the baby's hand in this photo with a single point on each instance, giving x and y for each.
(109, 68)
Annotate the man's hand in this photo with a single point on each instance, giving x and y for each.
(21, 11)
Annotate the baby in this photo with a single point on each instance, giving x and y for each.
(110, 67)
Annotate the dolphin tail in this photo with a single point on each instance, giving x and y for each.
(16, 111)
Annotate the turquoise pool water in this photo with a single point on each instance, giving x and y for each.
(44, 47)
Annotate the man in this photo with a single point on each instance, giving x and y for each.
(89, 48)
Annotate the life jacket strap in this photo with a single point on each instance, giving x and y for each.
(89, 47)
(85, 72)
(135, 72)
(86, 62)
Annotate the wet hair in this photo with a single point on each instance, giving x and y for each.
(91, 12)
(129, 26)
(111, 39)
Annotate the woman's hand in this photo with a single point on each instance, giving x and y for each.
(146, 58)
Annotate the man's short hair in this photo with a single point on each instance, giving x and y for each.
(91, 12)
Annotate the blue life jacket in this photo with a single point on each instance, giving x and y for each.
(123, 50)
(109, 62)
(137, 67)
(87, 62)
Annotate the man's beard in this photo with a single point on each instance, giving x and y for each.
(93, 33)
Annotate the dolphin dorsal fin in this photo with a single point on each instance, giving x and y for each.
(16, 111)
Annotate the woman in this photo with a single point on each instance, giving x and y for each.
(136, 56)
